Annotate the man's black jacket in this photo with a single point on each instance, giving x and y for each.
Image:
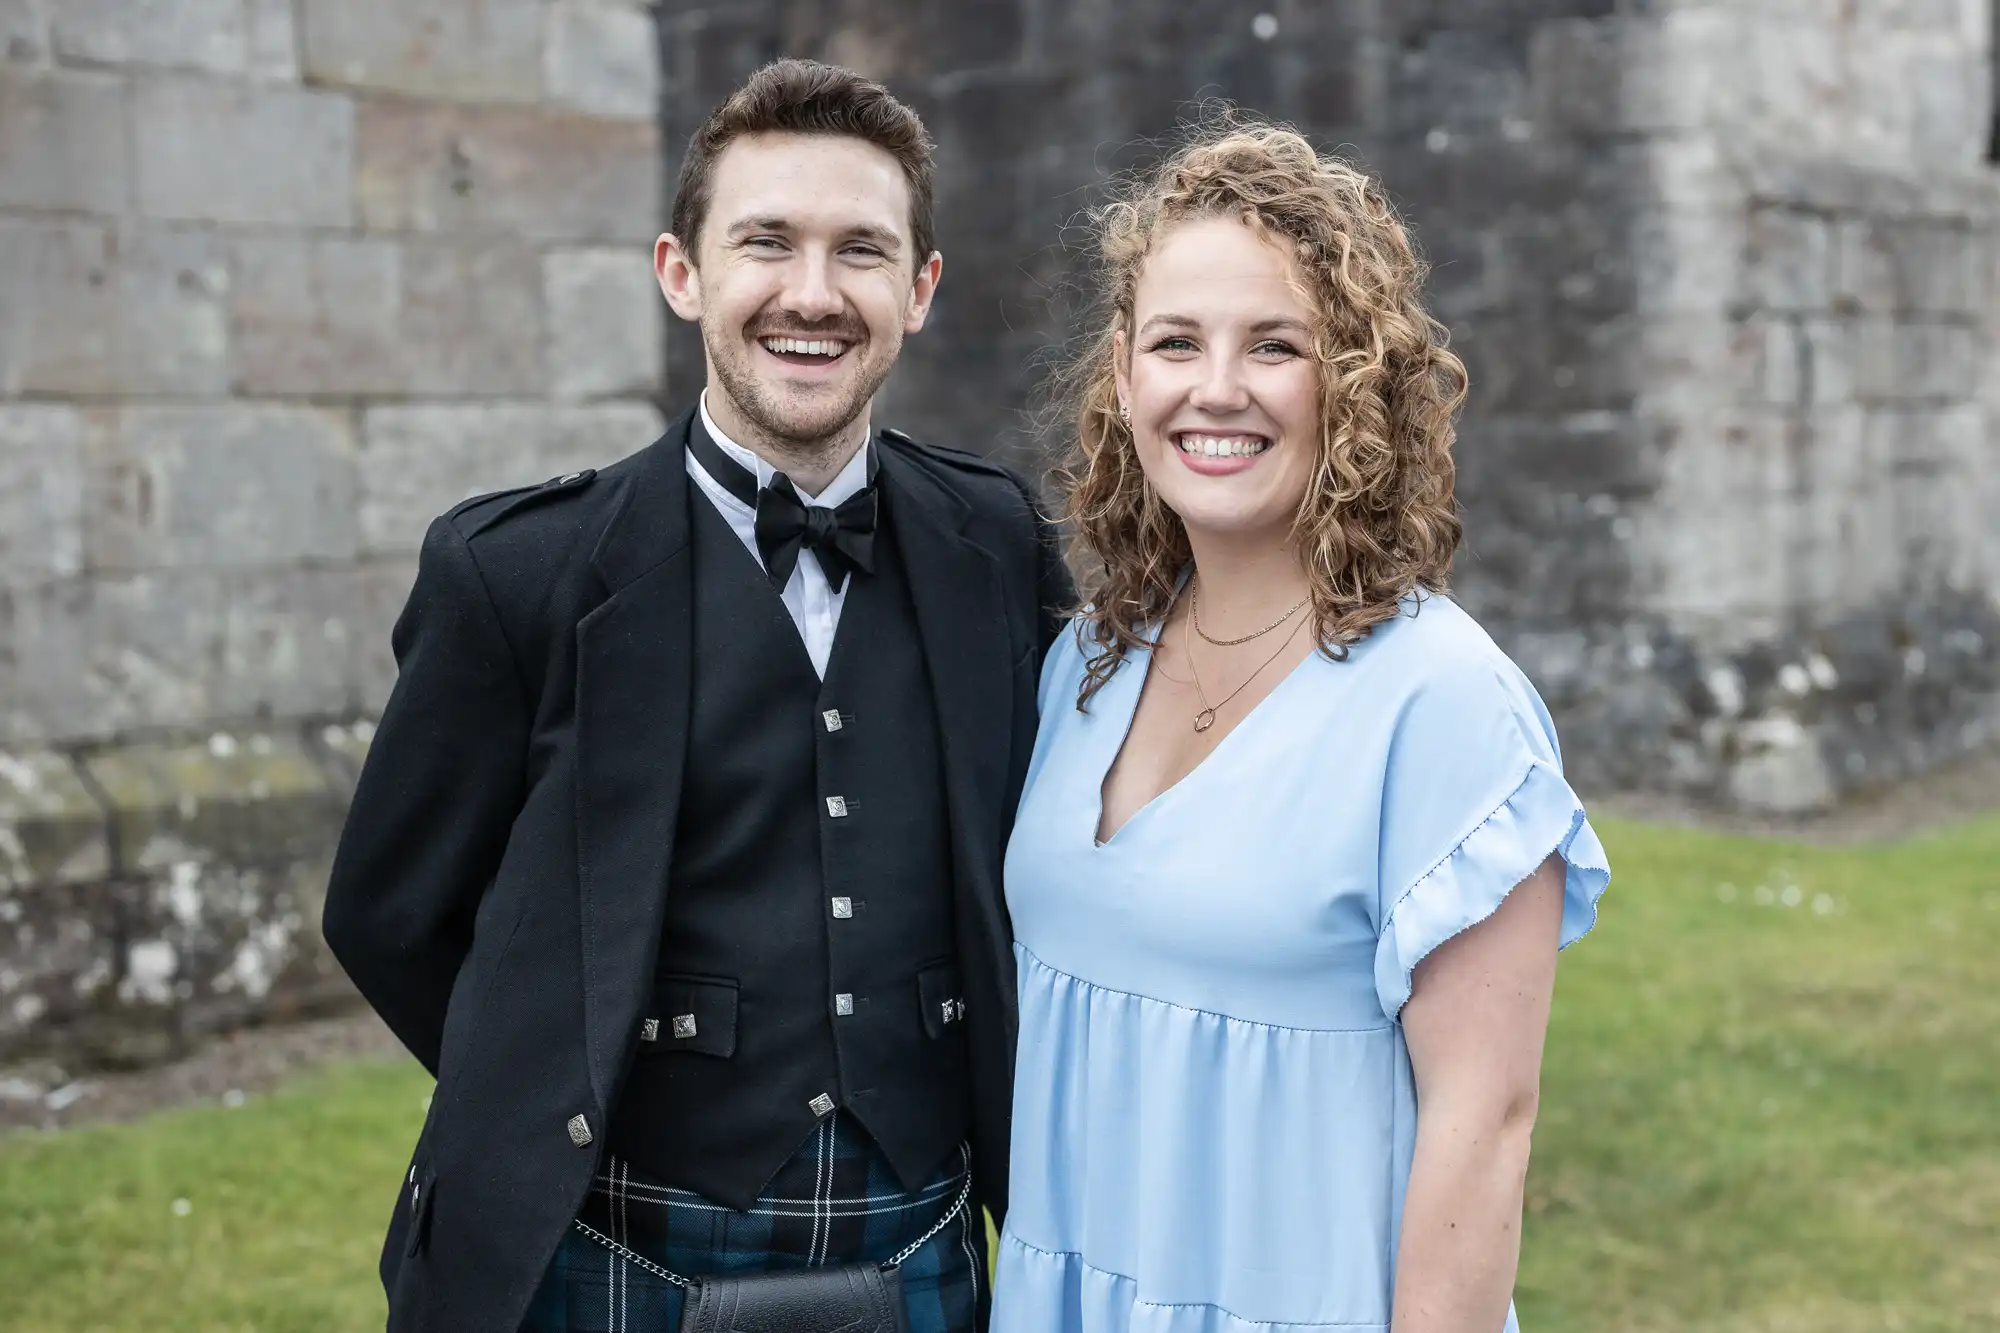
(498, 891)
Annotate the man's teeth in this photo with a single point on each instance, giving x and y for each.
(806, 347)
(1222, 446)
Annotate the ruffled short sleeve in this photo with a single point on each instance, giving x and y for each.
(1473, 802)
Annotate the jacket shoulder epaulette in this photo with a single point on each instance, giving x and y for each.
(483, 511)
(961, 459)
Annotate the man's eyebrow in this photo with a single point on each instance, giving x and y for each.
(880, 237)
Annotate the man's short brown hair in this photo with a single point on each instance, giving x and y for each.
(806, 97)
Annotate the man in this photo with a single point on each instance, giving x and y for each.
(676, 856)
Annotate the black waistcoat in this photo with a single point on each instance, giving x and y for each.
(807, 960)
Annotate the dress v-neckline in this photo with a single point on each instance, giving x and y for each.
(1124, 736)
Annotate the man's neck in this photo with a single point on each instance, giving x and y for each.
(811, 465)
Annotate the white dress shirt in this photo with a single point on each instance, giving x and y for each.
(814, 605)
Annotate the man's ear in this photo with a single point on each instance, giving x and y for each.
(673, 265)
(922, 292)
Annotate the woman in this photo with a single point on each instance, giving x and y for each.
(1296, 853)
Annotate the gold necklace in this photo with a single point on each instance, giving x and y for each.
(1194, 614)
(1206, 717)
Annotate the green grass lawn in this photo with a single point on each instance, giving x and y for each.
(1772, 1103)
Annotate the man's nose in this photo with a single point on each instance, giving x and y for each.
(810, 293)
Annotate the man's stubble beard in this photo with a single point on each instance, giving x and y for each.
(815, 443)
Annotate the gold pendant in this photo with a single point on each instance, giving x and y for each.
(1204, 719)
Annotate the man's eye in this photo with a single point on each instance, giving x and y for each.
(764, 243)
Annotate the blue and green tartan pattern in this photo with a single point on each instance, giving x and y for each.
(837, 1201)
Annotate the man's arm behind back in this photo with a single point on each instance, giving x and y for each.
(437, 798)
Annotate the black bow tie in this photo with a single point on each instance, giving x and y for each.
(842, 538)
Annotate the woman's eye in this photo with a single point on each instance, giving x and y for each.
(1172, 345)
(1275, 348)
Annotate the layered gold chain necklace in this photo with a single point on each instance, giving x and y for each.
(1205, 719)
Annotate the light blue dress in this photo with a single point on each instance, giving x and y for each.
(1213, 1106)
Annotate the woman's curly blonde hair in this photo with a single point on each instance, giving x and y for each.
(1378, 520)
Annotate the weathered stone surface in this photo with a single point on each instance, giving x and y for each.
(24, 34)
(59, 957)
(1911, 267)
(235, 485)
(177, 648)
(417, 462)
(243, 153)
(211, 35)
(316, 314)
(98, 310)
(385, 588)
(273, 41)
(1789, 261)
(603, 59)
(1913, 362)
(62, 140)
(472, 319)
(52, 831)
(41, 491)
(606, 322)
(476, 50)
(344, 746)
(508, 171)
(341, 315)
(242, 797)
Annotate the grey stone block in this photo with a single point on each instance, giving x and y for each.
(417, 462)
(274, 41)
(210, 35)
(1913, 362)
(344, 748)
(244, 153)
(1898, 267)
(317, 315)
(235, 485)
(95, 310)
(58, 956)
(340, 315)
(51, 829)
(41, 491)
(471, 50)
(606, 322)
(1789, 262)
(385, 583)
(507, 171)
(603, 59)
(238, 796)
(24, 34)
(178, 648)
(62, 141)
(472, 318)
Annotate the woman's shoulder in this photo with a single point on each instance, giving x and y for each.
(1433, 643)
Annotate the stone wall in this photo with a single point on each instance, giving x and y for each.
(1823, 548)
(1721, 271)
(279, 281)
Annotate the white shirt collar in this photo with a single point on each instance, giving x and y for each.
(846, 483)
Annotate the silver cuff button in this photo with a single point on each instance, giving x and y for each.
(683, 1026)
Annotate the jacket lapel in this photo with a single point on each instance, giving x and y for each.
(962, 621)
(633, 689)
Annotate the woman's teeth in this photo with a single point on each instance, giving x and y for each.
(805, 347)
(1222, 446)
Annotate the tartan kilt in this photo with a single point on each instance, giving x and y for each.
(837, 1201)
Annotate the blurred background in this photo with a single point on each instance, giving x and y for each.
(282, 279)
